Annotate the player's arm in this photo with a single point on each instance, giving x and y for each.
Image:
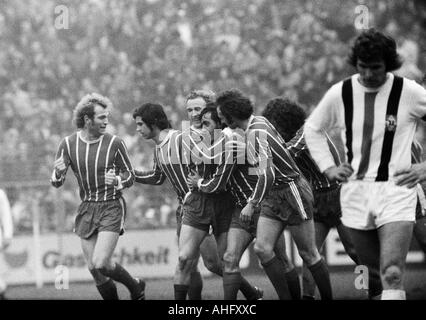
(417, 172)
(61, 165)
(6, 218)
(152, 177)
(223, 172)
(297, 144)
(326, 117)
(126, 176)
(258, 149)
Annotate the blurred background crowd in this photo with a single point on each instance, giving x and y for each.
(135, 51)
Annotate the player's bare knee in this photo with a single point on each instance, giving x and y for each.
(230, 260)
(184, 262)
(263, 250)
(101, 263)
(309, 256)
(392, 275)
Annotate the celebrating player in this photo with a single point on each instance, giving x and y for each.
(235, 174)
(282, 194)
(102, 167)
(376, 114)
(287, 117)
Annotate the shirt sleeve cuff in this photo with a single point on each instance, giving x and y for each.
(119, 185)
(199, 183)
(53, 177)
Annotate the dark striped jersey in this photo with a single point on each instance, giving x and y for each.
(168, 163)
(377, 126)
(267, 152)
(299, 151)
(233, 171)
(91, 160)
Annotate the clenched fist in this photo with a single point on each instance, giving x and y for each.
(110, 178)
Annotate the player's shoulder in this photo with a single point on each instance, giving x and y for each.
(412, 87)
(259, 123)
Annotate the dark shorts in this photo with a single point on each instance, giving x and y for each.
(250, 227)
(202, 210)
(93, 217)
(290, 204)
(327, 208)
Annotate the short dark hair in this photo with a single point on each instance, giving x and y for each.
(86, 107)
(153, 115)
(372, 45)
(233, 103)
(211, 108)
(286, 115)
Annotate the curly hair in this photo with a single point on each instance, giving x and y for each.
(207, 95)
(285, 115)
(233, 103)
(372, 45)
(153, 115)
(86, 107)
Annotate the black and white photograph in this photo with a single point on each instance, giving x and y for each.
(224, 151)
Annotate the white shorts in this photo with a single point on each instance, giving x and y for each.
(368, 205)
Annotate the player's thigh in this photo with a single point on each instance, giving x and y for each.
(321, 232)
(395, 240)
(190, 241)
(209, 250)
(420, 232)
(345, 238)
(105, 245)
(221, 241)
(267, 233)
(88, 247)
(281, 252)
(237, 242)
(304, 236)
(367, 246)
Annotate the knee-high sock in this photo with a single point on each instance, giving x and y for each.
(247, 289)
(321, 276)
(121, 275)
(293, 284)
(231, 285)
(274, 269)
(108, 290)
(181, 291)
(195, 286)
(375, 287)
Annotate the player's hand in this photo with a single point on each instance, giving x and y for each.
(192, 180)
(247, 213)
(411, 177)
(110, 178)
(60, 166)
(340, 173)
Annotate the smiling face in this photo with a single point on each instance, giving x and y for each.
(97, 125)
(143, 128)
(372, 73)
(194, 108)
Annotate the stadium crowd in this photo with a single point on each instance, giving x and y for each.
(158, 50)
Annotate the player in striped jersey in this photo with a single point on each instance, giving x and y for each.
(152, 123)
(102, 167)
(282, 193)
(288, 118)
(233, 175)
(377, 114)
